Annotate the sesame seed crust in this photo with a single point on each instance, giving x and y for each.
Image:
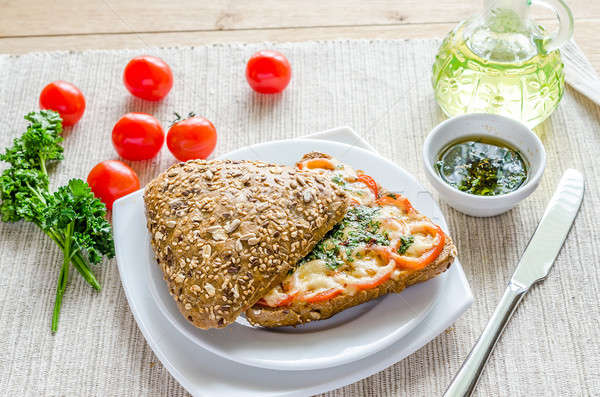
(224, 233)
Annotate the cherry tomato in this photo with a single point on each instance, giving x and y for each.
(148, 77)
(268, 72)
(137, 136)
(64, 98)
(192, 138)
(112, 179)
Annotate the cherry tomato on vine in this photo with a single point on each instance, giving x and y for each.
(192, 138)
(148, 77)
(112, 179)
(64, 98)
(268, 72)
(137, 136)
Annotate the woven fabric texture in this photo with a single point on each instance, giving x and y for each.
(381, 89)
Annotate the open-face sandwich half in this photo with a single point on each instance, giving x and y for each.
(382, 245)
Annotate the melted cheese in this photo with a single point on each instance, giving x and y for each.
(363, 266)
(397, 273)
(368, 268)
(355, 189)
(275, 296)
(391, 211)
(421, 244)
(360, 192)
(397, 224)
(314, 276)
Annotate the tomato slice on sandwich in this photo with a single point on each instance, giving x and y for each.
(312, 164)
(285, 299)
(379, 277)
(371, 184)
(396, 200)
(321, 296)
(406, 262)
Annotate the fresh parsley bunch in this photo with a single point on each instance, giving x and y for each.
(72, 216)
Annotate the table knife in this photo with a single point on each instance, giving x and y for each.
(534, 266)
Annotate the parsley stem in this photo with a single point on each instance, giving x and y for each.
(36, 193)
(63, 277)
(77, 260)
(43, 165)
(84, 270)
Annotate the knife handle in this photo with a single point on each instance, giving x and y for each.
(466, 379)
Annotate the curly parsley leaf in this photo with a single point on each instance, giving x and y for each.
(75, 204)
(23, 192)
(39, 144)
(72, 217)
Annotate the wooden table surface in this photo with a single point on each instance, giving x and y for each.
(36, 25)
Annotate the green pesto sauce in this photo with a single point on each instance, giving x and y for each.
(339, 180)
(358, 228)
(405, 243)
(482, 167)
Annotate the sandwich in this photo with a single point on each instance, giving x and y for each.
(285, 245)
(225, 233)
(381, 246)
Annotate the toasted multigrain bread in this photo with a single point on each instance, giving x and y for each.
(226, 232)
(302, 312)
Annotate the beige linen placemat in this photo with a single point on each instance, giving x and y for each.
(382, 90)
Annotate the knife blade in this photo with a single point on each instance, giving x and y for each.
(549, 236)
(535, 265)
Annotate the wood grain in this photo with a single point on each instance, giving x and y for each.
(34, 25)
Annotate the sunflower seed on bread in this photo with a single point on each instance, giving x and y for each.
(221, 231)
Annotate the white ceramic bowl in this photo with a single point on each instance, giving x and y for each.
(484, 125)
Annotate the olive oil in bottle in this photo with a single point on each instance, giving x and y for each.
(502, 63)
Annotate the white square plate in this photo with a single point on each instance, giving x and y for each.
(203, 372)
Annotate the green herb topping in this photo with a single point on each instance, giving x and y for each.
(72, 217)
(405, 243)
(483, 169)
(357, 228)
(338, 180)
